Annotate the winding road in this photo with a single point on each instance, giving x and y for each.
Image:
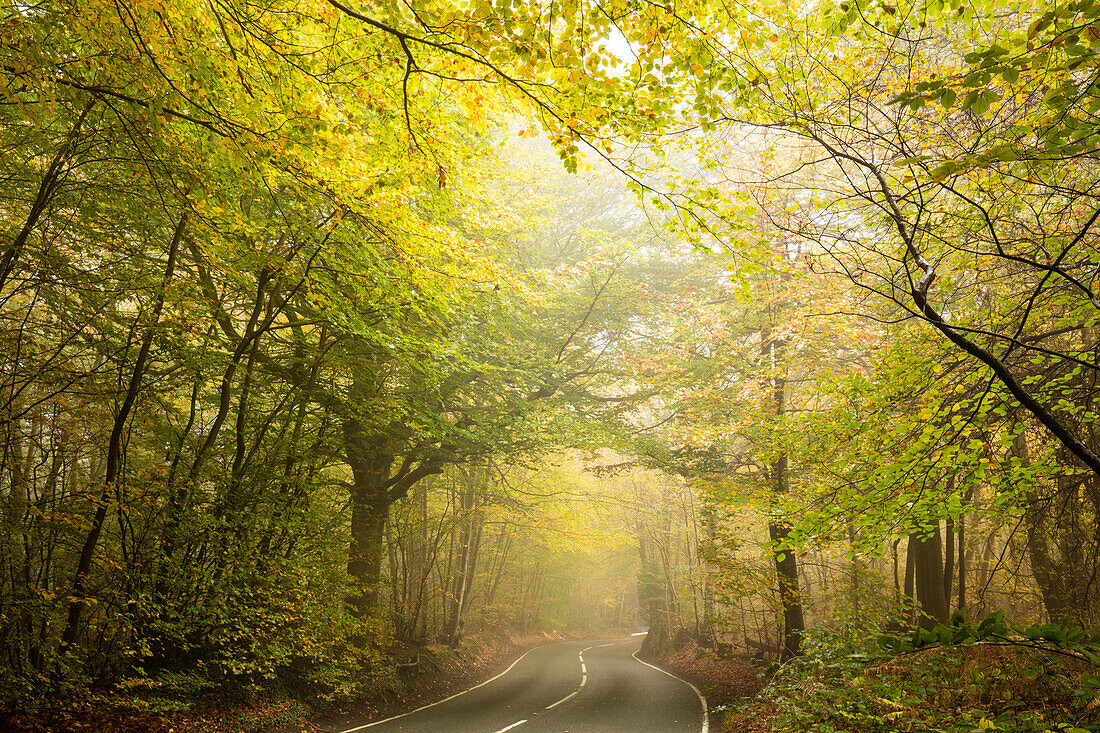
(571, 687)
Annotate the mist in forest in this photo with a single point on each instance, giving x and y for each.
(339, 345)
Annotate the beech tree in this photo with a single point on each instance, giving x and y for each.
(263, 274)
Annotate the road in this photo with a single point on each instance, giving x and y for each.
(570, 687)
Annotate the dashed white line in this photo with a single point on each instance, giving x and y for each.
(584, 677)
(513, 725)
(702, 700)
(559, 702)
(584, 670)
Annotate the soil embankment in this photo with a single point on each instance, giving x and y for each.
(723, 681)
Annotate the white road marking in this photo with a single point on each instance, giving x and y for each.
(559, 702)
(584, 670)
(584, 681)
(702, 700)
(452, 697)
(640, 633)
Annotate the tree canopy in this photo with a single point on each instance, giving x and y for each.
(328, 327)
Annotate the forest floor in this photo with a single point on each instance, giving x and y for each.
(441, 672)
(1014, 686)
(723, 681)
(1009, 686)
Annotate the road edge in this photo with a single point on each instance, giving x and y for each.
(452, 697)
(696, 690)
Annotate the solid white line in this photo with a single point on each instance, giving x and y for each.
(584, 678)
(452, 697)
(601, 646)
(559, 702)
(513, 725)
(584, 670)
(702, 700)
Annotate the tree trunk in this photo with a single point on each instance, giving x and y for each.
(948, 559)
(910, 580)
(462, 584)
(949, 549)
(709, 635)
(928, 573)
(1057, 573)
(51, 181)
(962, 565)
(373, 491)
(370, 505)
(786, 570)
(652, 602)
(855, 573)
(114, 450)
(786, 563)
(897, 575)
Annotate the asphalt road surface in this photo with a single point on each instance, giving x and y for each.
(571, 687)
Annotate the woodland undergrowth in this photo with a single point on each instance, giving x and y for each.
(958, 677)
(397, 677)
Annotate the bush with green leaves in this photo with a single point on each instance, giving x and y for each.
(961, 677)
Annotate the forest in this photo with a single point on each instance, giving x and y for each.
(340, 339)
